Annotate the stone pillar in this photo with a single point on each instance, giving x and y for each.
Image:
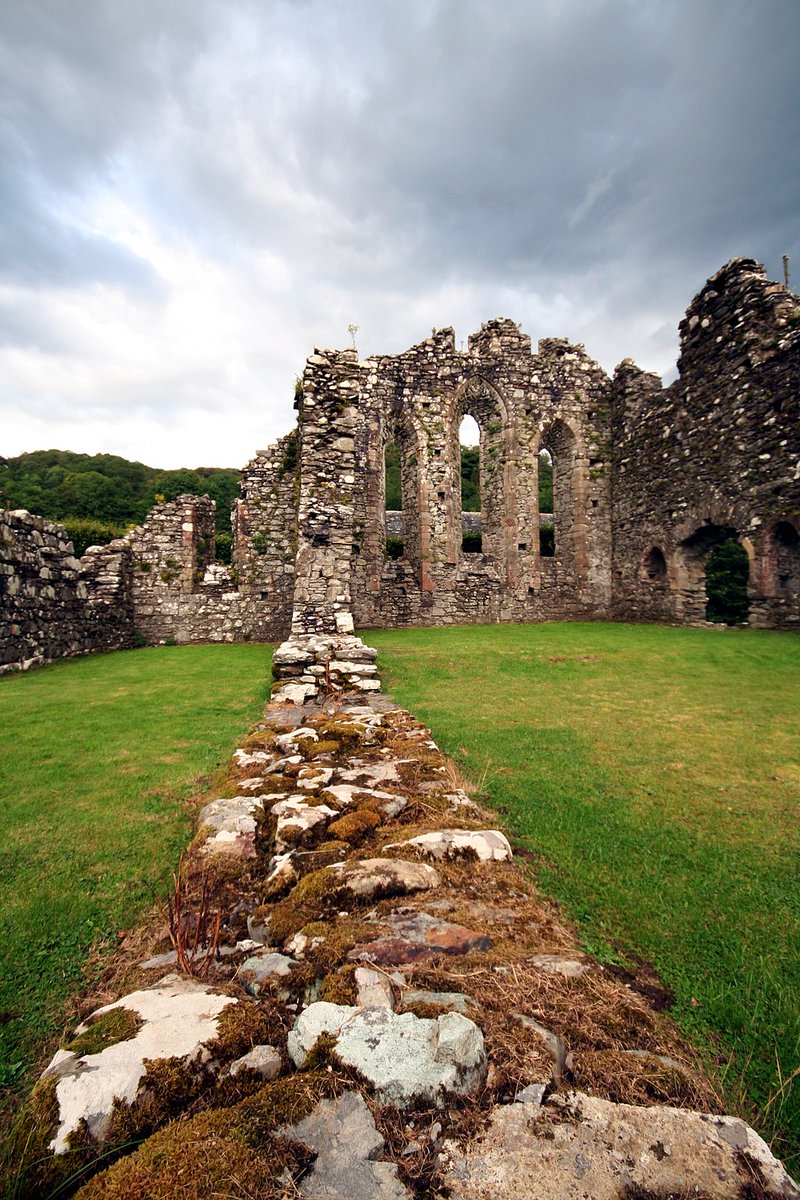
(322, 653)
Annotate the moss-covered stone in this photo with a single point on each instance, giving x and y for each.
(118, 1025)
(227, 1152)
(355, 826)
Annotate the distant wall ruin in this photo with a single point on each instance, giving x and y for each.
(647, 480)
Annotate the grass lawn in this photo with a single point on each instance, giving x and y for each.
(655, 774)
(96, 756)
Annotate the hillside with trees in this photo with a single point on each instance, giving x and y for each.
(97, 497)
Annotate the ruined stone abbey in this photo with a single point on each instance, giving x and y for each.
(647, 480)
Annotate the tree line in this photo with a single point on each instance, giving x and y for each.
(98, 497)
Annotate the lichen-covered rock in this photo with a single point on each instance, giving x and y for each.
(264, 1060)
(407, 1059)
(298, 823)
(177, 1018)
(374, 878)
(235, 814)
(345, 795)
(487, 845)
(413, 935)
(576, 1146)
(258, 970)
(342, 1133)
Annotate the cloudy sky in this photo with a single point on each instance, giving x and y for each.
(195, 193)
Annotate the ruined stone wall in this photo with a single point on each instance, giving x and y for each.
(53, 605)
(265, 524)
(178, 595)
(522, 403)
(713, 455)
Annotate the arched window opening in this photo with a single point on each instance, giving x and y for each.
(393, 494)
(654, 566)
(547, 533)
(469, 443)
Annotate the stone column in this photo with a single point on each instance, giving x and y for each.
(322, 652)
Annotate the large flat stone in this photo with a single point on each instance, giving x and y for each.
(343, 1135)
(487, 845)
(179, 1016)
(416, 935)
(407, 1059)
(374, 878)
(577, 1146)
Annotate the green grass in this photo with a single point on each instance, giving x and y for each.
(96, 756)
(655, 774)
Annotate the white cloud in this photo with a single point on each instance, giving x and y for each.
(196, 194)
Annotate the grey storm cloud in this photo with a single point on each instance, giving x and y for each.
(272, 172)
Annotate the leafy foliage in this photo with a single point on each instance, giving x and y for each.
(106, 489)
(394, 491)
(86, 531)
(470, 479)
(727, 571)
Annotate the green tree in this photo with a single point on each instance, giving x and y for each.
(470, 479)
(727, 572)
(394, 490)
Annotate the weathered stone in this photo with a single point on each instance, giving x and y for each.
(264, 1060)
(375, 878)
(179, 1017)
(374, 990)
(287, 742)
(311, 779)
(407, 1059)
(345, 795)
(295, 693)
(298, 823)
(556, 1046)
(487, 845)
(560, 964)
(247, 759)
(261, 969)
(416, 935)
(282, 876)
(342, 1133)
(578, 1146)
(452, 1001)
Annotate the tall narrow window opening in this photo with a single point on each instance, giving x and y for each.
(393, 493)
(469, 443)
(547, 538)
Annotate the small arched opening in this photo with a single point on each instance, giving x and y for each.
(481, 459)
(547, 534)
(654, 566)
(786, 551)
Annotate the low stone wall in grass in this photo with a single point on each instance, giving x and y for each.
(53, 605)
(362, 995)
